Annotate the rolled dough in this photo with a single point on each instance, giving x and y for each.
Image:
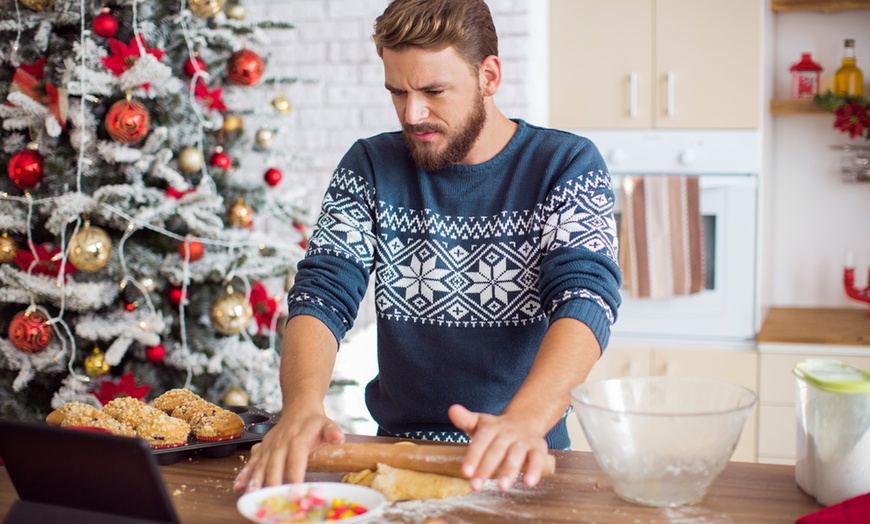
(403, 484)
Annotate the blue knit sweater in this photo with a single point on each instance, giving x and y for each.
(471, 264)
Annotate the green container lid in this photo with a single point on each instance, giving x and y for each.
(833, 375)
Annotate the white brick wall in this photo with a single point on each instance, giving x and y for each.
(331, 45)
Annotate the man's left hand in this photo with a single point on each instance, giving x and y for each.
(500, 445)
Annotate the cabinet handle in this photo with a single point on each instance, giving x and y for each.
(632, 95)
(671, 82)
(632, 368)
(669, 369)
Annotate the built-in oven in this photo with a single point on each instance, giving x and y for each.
(727, 166)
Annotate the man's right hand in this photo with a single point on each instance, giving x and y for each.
(284, 451)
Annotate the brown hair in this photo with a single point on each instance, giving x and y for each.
(438, 24)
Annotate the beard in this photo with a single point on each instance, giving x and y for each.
(459, 144)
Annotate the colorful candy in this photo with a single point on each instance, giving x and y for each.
(311, 506)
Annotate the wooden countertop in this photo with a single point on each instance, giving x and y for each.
(846, 327)
(201, 489)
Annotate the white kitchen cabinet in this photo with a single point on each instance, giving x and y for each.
(655, 64)
(729, 365)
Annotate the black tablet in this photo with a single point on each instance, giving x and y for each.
(71, 476)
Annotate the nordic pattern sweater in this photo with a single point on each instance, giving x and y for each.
(471, 265)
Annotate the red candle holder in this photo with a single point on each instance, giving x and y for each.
(862, 295)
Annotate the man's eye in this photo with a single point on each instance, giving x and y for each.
(435, 92)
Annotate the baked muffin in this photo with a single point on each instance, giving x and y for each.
(79, 409)
(131, 411)
(98, 419)
(216, 424)
(187, 410)
(164, 431)
(174, 398)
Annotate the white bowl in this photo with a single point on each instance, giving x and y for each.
(249, 503)
(662, 441)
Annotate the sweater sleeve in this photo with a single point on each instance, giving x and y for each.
(580, 277)
(333, 277)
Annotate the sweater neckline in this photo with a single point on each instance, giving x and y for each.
(493, 162)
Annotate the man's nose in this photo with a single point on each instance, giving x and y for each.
(416, 109)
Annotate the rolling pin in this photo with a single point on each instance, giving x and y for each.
(439, 459)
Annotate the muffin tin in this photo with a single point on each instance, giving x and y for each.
(257, 423)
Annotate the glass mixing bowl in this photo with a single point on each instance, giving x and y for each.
(662, 441)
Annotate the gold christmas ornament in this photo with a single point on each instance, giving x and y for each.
(205, 8)
(190, 159)
(38, 5)
(232, 123)
(8, 249)
(282, 104)
(95, 363)
(264, 137)
(241, 214)
(91, 249)
(236, 396)
(235, 11)
(231, 313)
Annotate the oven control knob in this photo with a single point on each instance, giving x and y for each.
(688, 157)
(616, 157)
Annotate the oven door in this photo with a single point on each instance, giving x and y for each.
(726, 307)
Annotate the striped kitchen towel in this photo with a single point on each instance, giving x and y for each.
(661, 237)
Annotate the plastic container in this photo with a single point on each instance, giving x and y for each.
(833, 430)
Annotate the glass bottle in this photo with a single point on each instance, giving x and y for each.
(849, 80)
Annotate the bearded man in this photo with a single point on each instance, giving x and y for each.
(493, 247)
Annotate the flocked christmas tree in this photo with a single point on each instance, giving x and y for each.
(136, 250)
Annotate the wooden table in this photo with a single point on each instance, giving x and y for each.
(201, 489)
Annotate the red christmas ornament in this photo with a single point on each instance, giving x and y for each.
(192, 249)
(30, 332)
(26, 169)
(221, 160)
(273, 176)
(155, 354)
(128, 121)
(192, 65)
(105, 24)
(245, 68)
(176, 295)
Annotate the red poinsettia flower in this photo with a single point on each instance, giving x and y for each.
(46, 262)
(178, 194)
(211, 99)
(265, 307)
(125, 55)
(29, 79)
(36, 69)
(124, 387)
(852, 118)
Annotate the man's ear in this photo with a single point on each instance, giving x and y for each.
(490, 75)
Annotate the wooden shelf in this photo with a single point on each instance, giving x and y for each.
(818, 5)
(795, 107)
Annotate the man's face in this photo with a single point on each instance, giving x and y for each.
(439, 102)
